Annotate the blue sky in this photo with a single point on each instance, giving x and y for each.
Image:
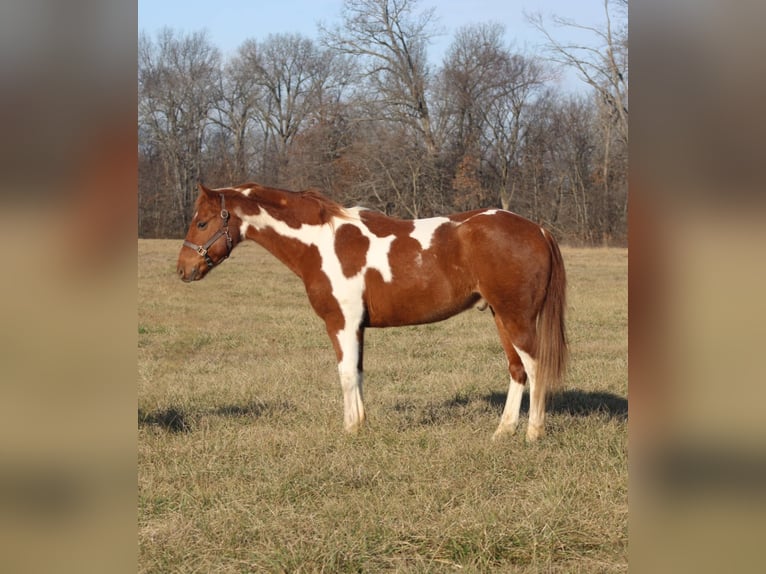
(230, 22)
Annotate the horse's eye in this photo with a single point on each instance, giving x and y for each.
(201, 224)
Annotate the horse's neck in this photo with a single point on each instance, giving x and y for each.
(292, 252)
(294, 247)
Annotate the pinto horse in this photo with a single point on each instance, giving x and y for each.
(363, 269)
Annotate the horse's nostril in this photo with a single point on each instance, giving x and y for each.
(187, 277)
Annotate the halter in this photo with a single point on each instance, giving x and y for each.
(223, 231)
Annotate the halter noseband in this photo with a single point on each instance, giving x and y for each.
(223, 231)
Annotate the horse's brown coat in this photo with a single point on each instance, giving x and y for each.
(364, 269)
(351, 248)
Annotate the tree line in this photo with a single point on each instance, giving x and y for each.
(361, 114)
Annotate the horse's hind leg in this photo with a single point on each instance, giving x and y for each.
(510, 416)
(519, 345)
(536, 425)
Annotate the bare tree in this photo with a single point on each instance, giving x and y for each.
(507, 123)
(291, 77)
(560, 171)
(473, 73)
(542, 177)
(364, 117)
(178, 76)
(487, 88)
(237, 99)
(391, 39)
(603, 66)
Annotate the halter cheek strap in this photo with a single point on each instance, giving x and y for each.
(222, 232)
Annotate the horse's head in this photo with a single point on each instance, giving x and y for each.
(213, 233)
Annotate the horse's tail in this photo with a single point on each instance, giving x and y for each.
(551, 328)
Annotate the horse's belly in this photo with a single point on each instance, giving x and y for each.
(396, 309)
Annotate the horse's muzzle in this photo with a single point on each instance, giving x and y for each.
(188, 277)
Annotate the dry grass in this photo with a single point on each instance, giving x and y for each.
(243, 465)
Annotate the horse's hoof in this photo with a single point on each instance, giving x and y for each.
(503, 432)
(534, 433)
(354, 428)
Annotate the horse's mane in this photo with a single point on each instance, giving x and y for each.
(310, 201)
(327, 207)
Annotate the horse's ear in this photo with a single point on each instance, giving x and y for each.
(205, 191)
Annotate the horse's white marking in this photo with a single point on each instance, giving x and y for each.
(536, 397)
(425, 229)
(348, 368)
(322, 236)
(349, 292)
(377, 253)
(510, 417)
(346, 290)
(485, 212)
(307, 234)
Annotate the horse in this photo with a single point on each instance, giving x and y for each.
(364, 269)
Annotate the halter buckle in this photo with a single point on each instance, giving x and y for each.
(201, 250)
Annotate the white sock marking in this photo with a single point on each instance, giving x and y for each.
(510, 417)
(536, 402)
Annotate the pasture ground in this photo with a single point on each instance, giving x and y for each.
(243, 465)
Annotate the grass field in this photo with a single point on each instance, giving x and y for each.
(243, 465)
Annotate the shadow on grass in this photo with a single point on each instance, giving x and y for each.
(572, 402)
(176, 420)
(254, 409)
(171, 419)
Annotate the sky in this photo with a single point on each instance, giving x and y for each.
(230, 22)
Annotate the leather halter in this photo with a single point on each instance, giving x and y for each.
(222, 232)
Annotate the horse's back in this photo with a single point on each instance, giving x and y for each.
(503, 236)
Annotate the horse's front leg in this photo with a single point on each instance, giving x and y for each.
(348, 342)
